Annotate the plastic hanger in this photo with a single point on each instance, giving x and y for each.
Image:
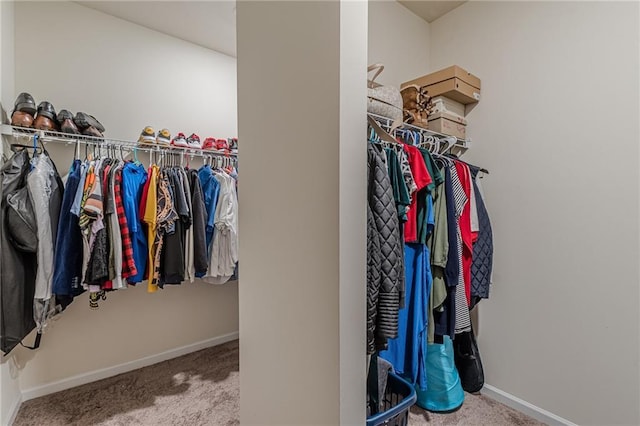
(451, 142)
(382, 134)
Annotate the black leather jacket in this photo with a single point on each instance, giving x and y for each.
(17, 268)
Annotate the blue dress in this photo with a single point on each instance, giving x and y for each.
(407, 352)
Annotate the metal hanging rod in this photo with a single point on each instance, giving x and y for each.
(387, 124)
(69, 139)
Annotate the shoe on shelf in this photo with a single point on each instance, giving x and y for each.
(46, 117)
(180, 141)
(222, 145)
(147, 136)
(194, 141)
(209, 144)
(25, 103)
(84, 120)
(164, 137)
(65, 118)
(92, 131)
(21, 119)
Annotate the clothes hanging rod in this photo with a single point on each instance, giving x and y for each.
(388, 123)
(69, 139)
(460, 143)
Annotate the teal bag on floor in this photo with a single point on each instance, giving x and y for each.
(444, 390)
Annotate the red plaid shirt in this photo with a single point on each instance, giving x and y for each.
(128, 264)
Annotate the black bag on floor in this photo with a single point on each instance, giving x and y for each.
(468, 361)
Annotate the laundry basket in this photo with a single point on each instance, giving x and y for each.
(398, 399)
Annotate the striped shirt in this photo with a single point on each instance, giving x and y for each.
(463, 320)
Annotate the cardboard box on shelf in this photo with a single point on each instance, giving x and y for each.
(444, 104)
(449, 124)
(453, 82)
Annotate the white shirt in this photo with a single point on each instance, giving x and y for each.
(224, 248)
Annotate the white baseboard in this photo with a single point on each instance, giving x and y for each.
(524, 406)
(103, 373)
(13, 410)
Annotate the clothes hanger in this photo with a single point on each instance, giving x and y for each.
(435, 145)
(382, 134)
(76, 152)
(372, 136)
(34, 143)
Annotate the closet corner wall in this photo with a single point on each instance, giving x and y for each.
(543, 338)
(131, 92)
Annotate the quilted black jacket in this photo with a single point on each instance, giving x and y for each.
(387, 259)
(373, 279)
(482, 249)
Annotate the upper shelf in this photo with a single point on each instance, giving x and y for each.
(387, 123)
(69, 139)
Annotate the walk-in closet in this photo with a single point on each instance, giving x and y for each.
(324, 213)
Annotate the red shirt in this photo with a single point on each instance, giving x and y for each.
(422, 178)
(468, 237)
(145, 194)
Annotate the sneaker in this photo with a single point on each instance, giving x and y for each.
(164, 137)
(180, 141)
(222, 145)
(193, 141)
(148, 135)
(209, 144)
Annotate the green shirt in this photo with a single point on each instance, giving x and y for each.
(423, 204)
(438, 243)
(398, 185)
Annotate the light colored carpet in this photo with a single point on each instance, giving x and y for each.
(477, 410)
(201, 388)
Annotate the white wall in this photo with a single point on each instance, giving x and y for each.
(128, 77)
(558, 129)
(125, 75)
(399, 39)
(353, 187)
(302, 298)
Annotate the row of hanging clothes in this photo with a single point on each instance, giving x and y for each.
(114, 224)
(429, 262)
